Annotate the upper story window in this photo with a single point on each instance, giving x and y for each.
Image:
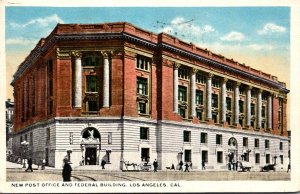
(216, 82)
(267, 144)
(144, 133)
(228, 103)
(242, 90)
(245, 141)
(183, 73)
(199, 97)
(256, 143)
(200, 78)
(92, 83)
(253, 93)
(182, 93)
(229, 86)
(264, 96)
(47, 135)
(280, 146)
(241, 106)
(219, 139)
(186, 136)
(141, 86)
(203, 137)
(91, 61)
(252, 109)
(143, 62)
(263, 111)
(214, 100)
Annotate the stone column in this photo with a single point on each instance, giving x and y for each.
(236, 102)
(224, 108)
(175, 87)
(259, 107)
(270, 111)
(78, 80)
(193, 92)
(208, 96)
(249, 106)
(106, 86)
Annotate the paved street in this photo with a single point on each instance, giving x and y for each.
(50, 174)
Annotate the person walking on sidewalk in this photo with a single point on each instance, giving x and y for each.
(186, 167)
(155, 165)
(203, 165)
(180, 165)
(66, 171)
(29, 165)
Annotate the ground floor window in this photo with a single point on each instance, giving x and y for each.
(257, 158)
(187, 155)
(145, 154)
(281, 159)
(204, 156)
(267, 158)
(220, 157)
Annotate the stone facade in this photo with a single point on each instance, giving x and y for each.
(118, 93)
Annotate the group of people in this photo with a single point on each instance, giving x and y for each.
(233, 165)
(30, 162)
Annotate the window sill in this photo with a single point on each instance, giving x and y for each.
(144, 115)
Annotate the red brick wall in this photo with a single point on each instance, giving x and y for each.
(275, 115)
(284, 118)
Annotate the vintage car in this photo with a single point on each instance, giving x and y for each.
(268, 167)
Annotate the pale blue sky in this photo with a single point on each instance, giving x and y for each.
(256, 36)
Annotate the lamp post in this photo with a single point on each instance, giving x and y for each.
(24, 145)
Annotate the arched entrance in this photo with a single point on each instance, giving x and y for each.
(90, 146)
(232, 150)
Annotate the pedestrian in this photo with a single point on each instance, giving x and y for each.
(103, 162)
(29, 165)
(236, 165)
(66, 173)
(180, 165)
(186, 167)
(43, 164)
(289, 168)
(172, 167)
(155, 165)
(203, 165)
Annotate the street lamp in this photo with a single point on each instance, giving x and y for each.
(24, 145)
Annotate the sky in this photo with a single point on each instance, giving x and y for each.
(256, 36)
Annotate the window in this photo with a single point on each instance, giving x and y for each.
(245, 141)
(145, 155)
(267, 158)
(92, 83)
(144, 133)
(229, 86)
(256, 143)
(199, 97)
(200, 78)
(252, 123)
(281, 159)
(143, 62)
(182, 112)
(142, 107)
(25, 137)
(267, 144)
(92, 105)
(215, 117)
(257, 158)
(47, 135)
(220, 157)
(109, 138)
(216, 82)
(219, 139)
(203, 137)
(241, 106)
(31, 139)
(187, 155)
(183, 73)
(241, 121)
(199, 114)
(252, 109)
(21, 139)
(182, 94)
(228, 103)
(91, 61)
(280, 146)
(186, 136)
(141, 86)
(205, 156)
(228, 119)
(263, 111)
(242, 90)
(214, 100)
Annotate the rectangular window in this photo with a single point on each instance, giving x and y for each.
(215, 117)
(203, 137)
(144, 133)
(182, 94)
(205, 156)
(92, 105)
(199, 97)
(263, 111)
(281, 159)
(214, 100)
(25, 137)
(245, 141)
(252, 109)
(109, 138)
(228, 119)
(187, 155)
(31, 139)
(229, 86)
(143, 62)
(183, 73)
(267, 144)
(21, 139)
(256, 143)
(241, 106)
(228, 103)
(92, 83)
(257, 158)
(267, 158)
(145, 154)
(142, 107)
(220, 157)
(241, 121)
(91, 61)
(47, 136)
(141, 86)
(219, 139)
(216, 82)
(199, 115)
(200, 78)
(252, 123)
(280, 146)
(186, 136)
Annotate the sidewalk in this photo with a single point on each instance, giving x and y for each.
(11, 165)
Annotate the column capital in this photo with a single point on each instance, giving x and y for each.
(106, 54)
(210, 75)
(176, 65)
(249, 87)
(274, 94)
(237, 84)
(260, 90)
(194, 70)
(76, 54)
(224, 80)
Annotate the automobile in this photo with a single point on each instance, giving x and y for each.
(268, 167)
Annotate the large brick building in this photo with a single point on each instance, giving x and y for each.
(116, 92)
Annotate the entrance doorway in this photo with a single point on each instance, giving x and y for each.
(145, 155)
(90, 156)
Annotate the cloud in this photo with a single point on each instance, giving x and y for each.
(271, 28)
(233, 36)
(258, 47)
(41, 22)
(20, 41)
